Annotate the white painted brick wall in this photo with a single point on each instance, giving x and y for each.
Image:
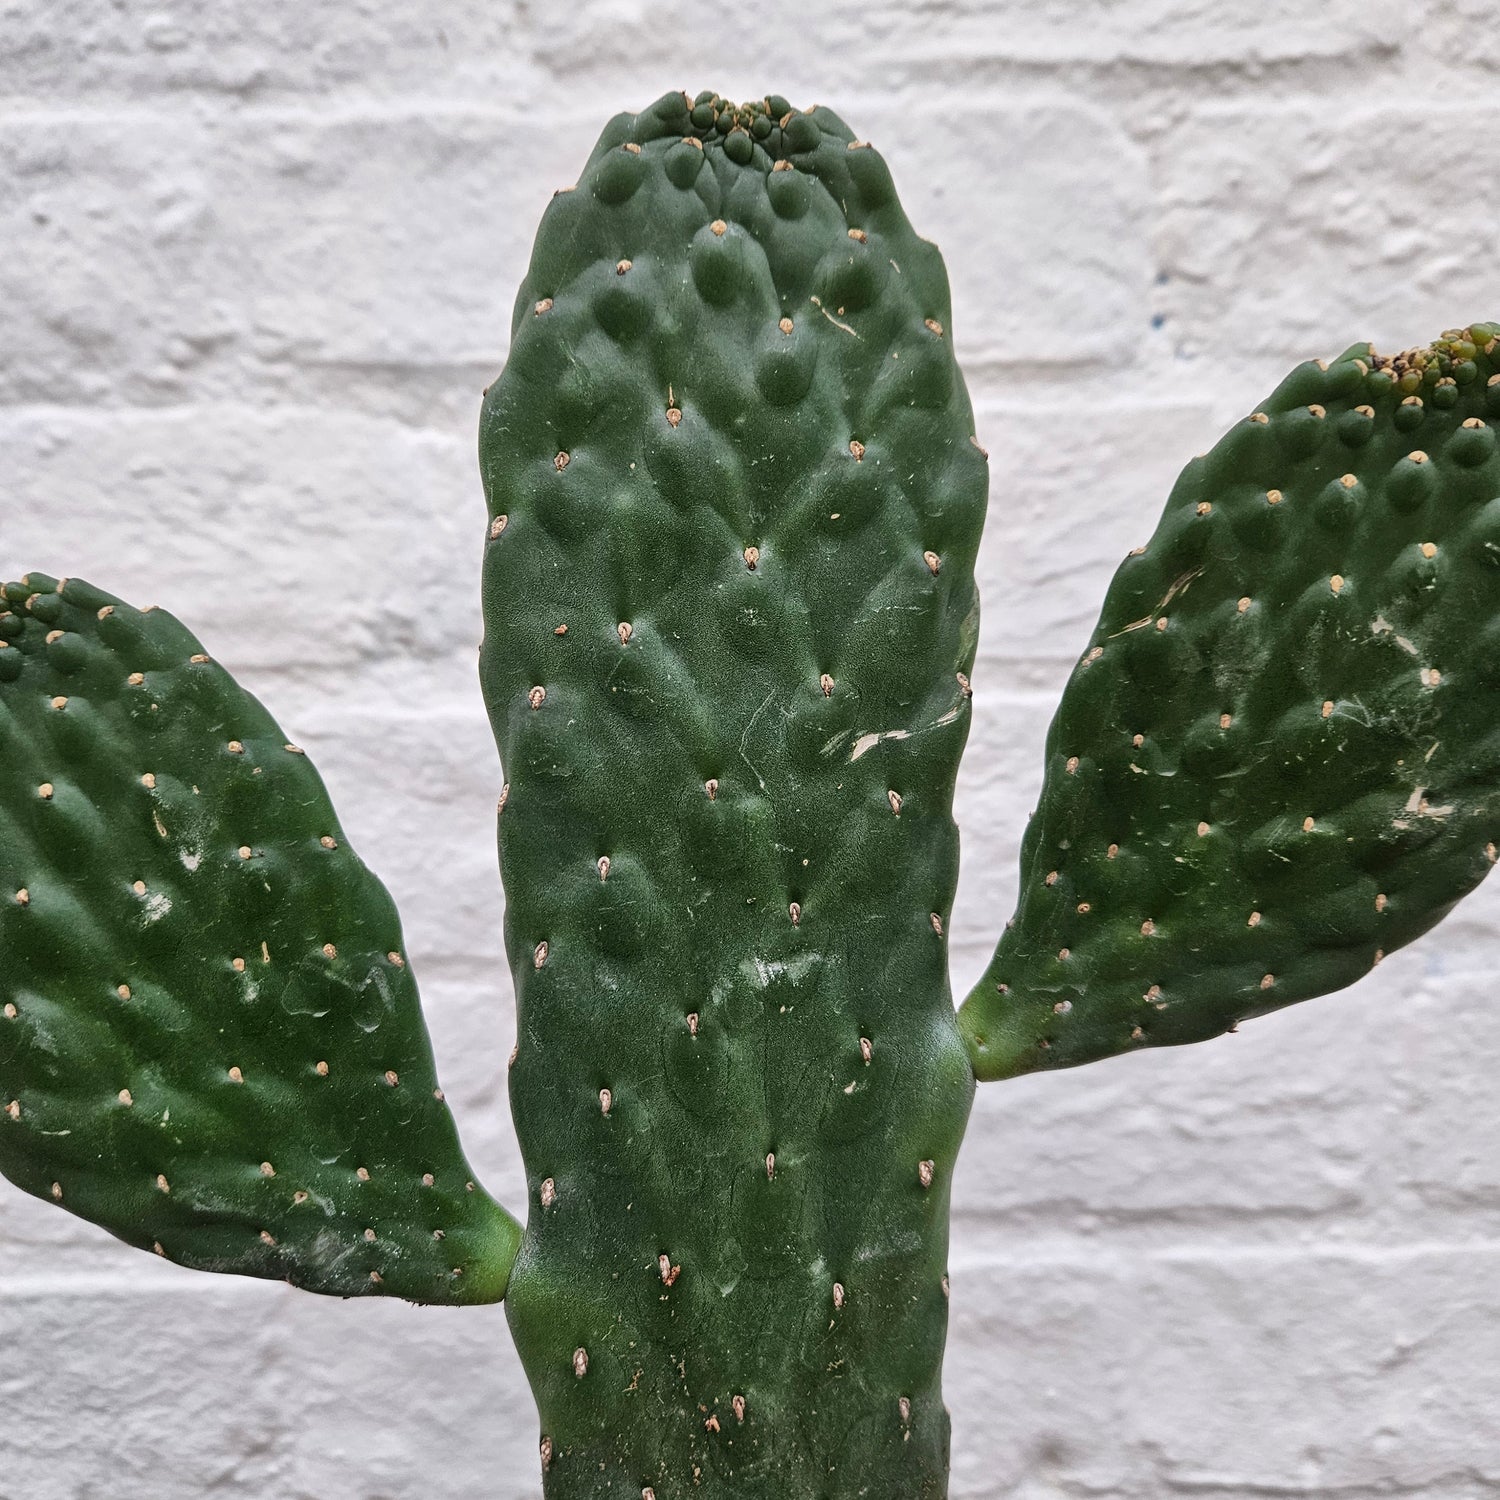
(256, 262)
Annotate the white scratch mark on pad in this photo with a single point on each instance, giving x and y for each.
(745, 738)
(1381, 626)
(869, 741)
(156, 908)
(817, 303)
(866, 742)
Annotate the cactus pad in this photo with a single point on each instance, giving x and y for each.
(734, 506)
(1277, 759)
(210, 1040)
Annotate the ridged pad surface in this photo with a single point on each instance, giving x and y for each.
(1279, 757)
(734, 505)
(210, 1041)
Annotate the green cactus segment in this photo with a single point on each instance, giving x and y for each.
(729, 598)
(210, 1041)
(1277, 761)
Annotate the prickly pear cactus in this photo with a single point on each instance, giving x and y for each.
(209, 1034)
(735, 500)
(1277, 759)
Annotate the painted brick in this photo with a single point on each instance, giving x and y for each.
(1303, 230)
(1074, 484)
(155, 260)
(282, 538)
(265, 1392)
(1310, 1372)
(1045, 242)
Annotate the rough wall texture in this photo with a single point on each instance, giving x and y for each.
(258, 262)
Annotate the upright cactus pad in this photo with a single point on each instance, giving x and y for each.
(210, 1041)
(1278, 758)
(734, 506)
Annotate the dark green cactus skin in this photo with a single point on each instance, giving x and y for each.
(1277, 760)
(182, 1059)
(729, 606)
